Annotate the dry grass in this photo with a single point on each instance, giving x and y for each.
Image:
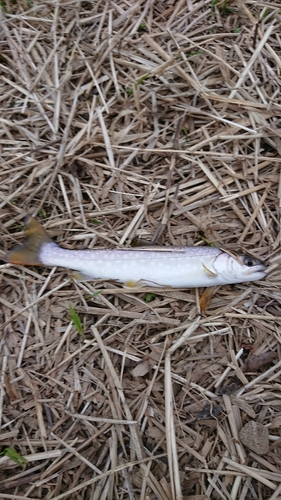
(159, 120)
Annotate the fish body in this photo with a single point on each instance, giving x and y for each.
(182, 267)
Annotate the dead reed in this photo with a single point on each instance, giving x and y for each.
(159, 120)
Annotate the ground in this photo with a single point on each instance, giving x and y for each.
(155, 120)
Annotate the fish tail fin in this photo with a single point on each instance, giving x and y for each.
(28, 254)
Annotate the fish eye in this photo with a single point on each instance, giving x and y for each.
(249, 261)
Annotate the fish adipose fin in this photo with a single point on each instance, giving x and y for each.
(28, 253)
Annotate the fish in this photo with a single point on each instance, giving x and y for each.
(176, 267)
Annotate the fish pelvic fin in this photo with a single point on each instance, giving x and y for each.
(134, 285)
(28, 254)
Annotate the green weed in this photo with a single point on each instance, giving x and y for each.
(14, 455)
(75, 318)
(149, 297)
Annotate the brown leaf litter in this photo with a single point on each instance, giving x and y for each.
(154, 120)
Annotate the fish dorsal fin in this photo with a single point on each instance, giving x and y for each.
(29, 253)
(147, 245)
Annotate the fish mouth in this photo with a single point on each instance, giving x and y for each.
(260, 269)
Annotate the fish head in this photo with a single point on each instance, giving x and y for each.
(240, 268)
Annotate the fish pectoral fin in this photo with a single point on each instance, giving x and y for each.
(78, 276)
(131, 284)
(210, 273)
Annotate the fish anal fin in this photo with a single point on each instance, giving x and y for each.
(210, 273)
(28, 254)
(78, 276)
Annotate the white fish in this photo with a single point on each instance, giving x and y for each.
(183, 267)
